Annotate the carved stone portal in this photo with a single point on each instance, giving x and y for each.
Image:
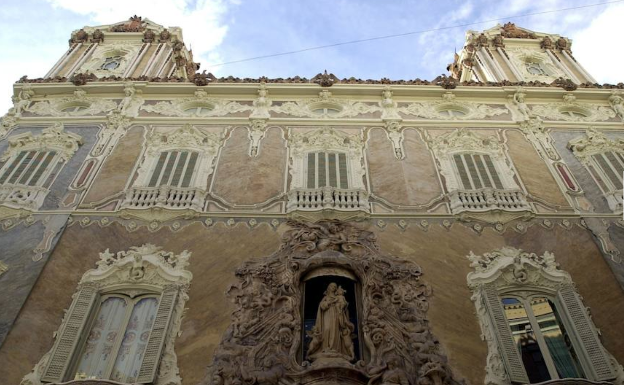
(263, 345)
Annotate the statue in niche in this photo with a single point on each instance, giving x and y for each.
(331, 334)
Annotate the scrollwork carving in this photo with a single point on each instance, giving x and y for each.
(436, 109)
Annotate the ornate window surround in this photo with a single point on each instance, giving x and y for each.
(521, 57)
(53, 138)
(462, 141)
(331, 107)
(449, 102)
(189, 138)
(511, 271)
(329, 199)
(571, 110)
(141, 270)
(596, 142)
(85, 106)
(126, 52)
(201, 99)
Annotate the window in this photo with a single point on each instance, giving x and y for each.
(326, 111)
(199, 110)
(535, 68)
(28, 167)
(612, 166)
(477, 171)
(77, 108)
(111, 63)
(123, 320)
(174, 168)
(327, 169)
(572, 113)
(533, 321)
(452, 113)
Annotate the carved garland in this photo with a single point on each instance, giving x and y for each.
(53, 138)
(199, 105)
(439, 109)
(144, 269)
(83, 104)
(325, 106)
(264, 339)
(572, 111)
(511, 271)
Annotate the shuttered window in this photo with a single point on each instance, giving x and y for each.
(476, 171)
(27, 168)
(174, 168)
(612, 166)
(327, 169)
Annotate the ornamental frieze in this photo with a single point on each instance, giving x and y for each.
(77, 105)
(325, 106)
(201, 105)
(449, 108)
(571, 110)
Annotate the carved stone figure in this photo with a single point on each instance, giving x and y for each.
(325, 80)
(97, 37)
(511, 31)
(130, 104)
(149, 36)
(521, 106)
(21, 101)
(263, 345)
(165, 35)
(546, 43)
(617, 102)
(331, 334)
(79, 37)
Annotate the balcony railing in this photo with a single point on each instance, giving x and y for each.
(487, 200)
(165, 197)
(328, 198)
(29, 197)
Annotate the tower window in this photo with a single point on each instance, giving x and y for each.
(535, 69)
(111, 63)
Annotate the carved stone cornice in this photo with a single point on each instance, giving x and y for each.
(51, 138)
(84, 105)
(263, 342)
(188, 107)
(436, 109)
(325, 106)
(594, 142)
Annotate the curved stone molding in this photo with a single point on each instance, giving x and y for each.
(79, 104)
(511, 271)
(143, 269)
(572, 111)
(263, 343)
(325, 106)
(464, 110)
(201, 105)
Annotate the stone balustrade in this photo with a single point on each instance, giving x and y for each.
(165, 197)
(488, 199)
(19, 196)
(328, 198)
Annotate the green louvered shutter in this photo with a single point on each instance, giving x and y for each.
(157, 336)
(70, 334)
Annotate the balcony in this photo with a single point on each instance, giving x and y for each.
(330, 202)
(165, 197)
(19, 196)
(485, 200)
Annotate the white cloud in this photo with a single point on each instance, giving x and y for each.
(596, 47)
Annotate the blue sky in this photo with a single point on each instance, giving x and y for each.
(35, 33)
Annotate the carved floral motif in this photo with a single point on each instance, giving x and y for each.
(262, 344)
(325, 106)
(199, 105)
(572, 111)
(78, 105)
(439, 109)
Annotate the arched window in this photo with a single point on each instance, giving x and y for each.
(123, 320)
(534, 322)
(331, 299)
(31, 163)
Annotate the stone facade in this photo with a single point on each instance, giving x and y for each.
(222, 199)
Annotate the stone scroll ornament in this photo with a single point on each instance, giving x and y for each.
(263, 344)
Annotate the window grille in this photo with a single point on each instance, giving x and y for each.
(174, 168)
(612, 166)
(477, 171)
(27, 168)
(327, 169)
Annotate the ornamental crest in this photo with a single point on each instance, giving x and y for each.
(201, 105)
(51, 138)
(464, 140)
(449, 108)
(594, 142)
(266, 343)
(325, 107)
(78, 105)
(186, 136)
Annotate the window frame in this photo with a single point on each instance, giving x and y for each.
(337, 154)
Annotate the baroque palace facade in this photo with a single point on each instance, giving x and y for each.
(163, 226)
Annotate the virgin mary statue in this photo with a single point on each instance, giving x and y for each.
(331, 334)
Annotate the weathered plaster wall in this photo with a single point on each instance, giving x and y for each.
(219, 249)
(411, 181)
(116, 169)
(245, 180)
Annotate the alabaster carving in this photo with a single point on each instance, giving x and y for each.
(78, 105)
(132, 101)
(261, 104)
(143, 269)
(53, 138)
(21, 101)
(519, 101)
(257, 130)
(325, 106)
(535, 131)
(388, 105)
(445, 107)
(617, 103)
(396, 136)
(201, 105)
(264, 341)
(511, 271)
(124, 53)
(573, 111)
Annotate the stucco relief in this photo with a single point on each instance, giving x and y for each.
(78, 105)
(201, 105)
(325, 106)
(450, 108)
(122, 52)
(264, 341)
(546, 71)
(573, 111)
